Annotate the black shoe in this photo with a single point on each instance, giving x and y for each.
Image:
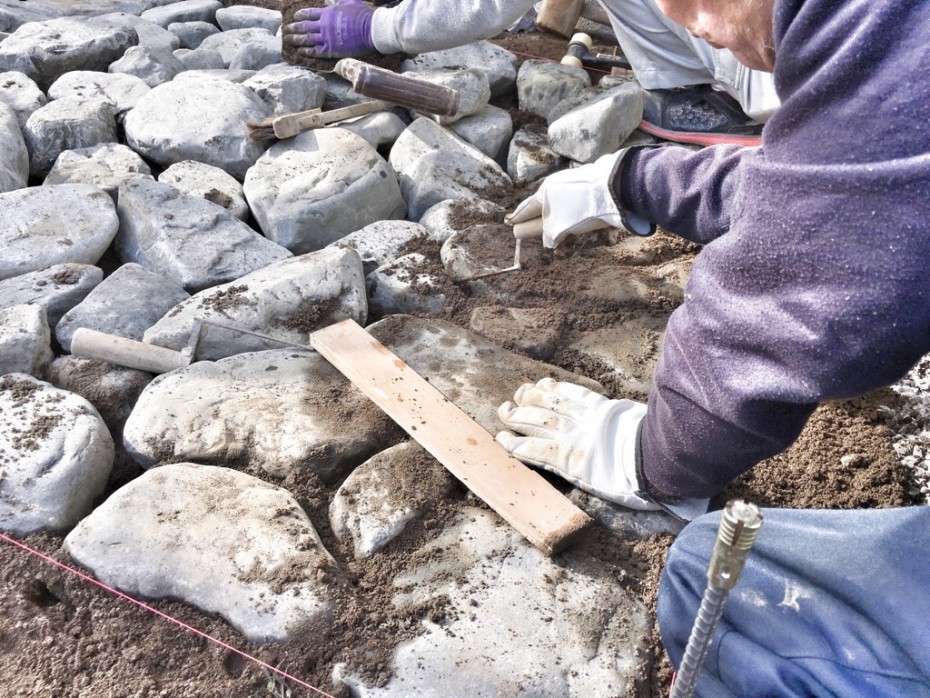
(698, 114)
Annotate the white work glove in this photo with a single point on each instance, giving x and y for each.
(586, 438)
(579, 200)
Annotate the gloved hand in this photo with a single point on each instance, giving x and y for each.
(586, 438)
(579, 200)
(337, 31)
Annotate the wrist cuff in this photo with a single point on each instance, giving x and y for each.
(383, 37)
(632, 222)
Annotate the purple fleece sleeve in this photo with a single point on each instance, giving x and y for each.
(815, 282)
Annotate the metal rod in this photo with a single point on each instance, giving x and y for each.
(739, 527)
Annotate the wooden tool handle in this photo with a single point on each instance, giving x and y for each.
(291, 125)
(92, 344)
(559, 16)
(532, 228)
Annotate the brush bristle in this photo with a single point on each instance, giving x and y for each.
(259, 131)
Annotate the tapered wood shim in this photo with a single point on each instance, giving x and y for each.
(538, 511)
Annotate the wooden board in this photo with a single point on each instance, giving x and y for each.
(538, 511)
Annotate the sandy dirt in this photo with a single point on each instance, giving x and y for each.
(60, 636)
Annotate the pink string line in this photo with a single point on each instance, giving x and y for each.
(177, 622)
(552, 60)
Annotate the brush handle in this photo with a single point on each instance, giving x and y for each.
(92, 344)
(292, 124)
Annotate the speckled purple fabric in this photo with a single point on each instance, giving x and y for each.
(814, 283)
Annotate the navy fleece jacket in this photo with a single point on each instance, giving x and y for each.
(814, 283)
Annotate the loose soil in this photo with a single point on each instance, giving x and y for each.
(61, 636)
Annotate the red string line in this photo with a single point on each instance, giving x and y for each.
(177, 622)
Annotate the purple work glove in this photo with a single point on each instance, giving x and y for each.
(337, 31)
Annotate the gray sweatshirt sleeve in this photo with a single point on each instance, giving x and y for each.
(429, 25)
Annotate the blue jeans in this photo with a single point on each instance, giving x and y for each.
(830, 603)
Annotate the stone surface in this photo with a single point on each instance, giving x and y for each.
(484, 248)
(20, 92)
(472, 87)
(153, 66)
(531, 331)
(384, 494)
(223, 541)
(208, 182)
(245, 17)
(189, 240)
(433, 164)
(197, 118)
(599, 126)
(228, 43)
(14, 156)
(125, 304)
(67, 124)
(499, 63)
(488, 130)
(530, 157)
(199, 59)
(183, 11)
(319, 186)
(45, 51)
(55, 456)
(405, 286)
(43, 226)
(541, 85)
(106, 165)
(379, 243)
(191, 34)
(286, 88)
(587, 644)
(450, 216)
(57, 288)
(25, 341)
(286, 300)
(119, 89)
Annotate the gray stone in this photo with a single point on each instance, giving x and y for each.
(67, 124)
(55, 454)
(541, 85)
(626, 523)
(499, 63)
(472, 86)
(218, 74)
(454, 215)
(200, 59)
(183, 11)
(112, 390)
(119, 89)
(320, 186)
(25, 340)
(57, 289)
(43, 226)
(405, 286)
(21, 92)
(207, 182)
(380, 128)
(15, 13)
(125, 304)
(197, 119)
(489, 130)
(106, 165)
(530, 157)
(392, 489)
(191, 34)
(287, 88)
(281, 410)
(586, 636)
(14, 156)
(257, 53)
(153, 67)
(228, 43)
(379, 243)
(150, 35)
(286, 300)
(599, 126)
(245, 17)
(47, 50)
(187, 239)
(434, 164)
(222, 541)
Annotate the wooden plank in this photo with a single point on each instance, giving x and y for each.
(538, 511)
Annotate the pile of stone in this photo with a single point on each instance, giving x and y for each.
(134, 203)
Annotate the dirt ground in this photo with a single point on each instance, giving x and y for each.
(60, 636)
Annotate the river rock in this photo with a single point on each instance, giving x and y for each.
(25, 340)
(320, 186)
(406, 285)
(43, 226)
(197, 118)
(183, 11)
(187, 239)
(191, 34)
(152, 66)
(599, 126)
(119, 89)
(207, 182)
(222, 541)
(433, 164)
(45, 51)
(246, 17)
(55, 456)
(126, 304)
(541, 85)
(286, 300)
(20, 92)
(228, 43)
(499, 63)
(106, 165)
(379, 243)
(150, 34)
(14, 156)
(454, 215)
(287, 88)
(67, 124)
(199, 59)
(57, 288)
(530, 157)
